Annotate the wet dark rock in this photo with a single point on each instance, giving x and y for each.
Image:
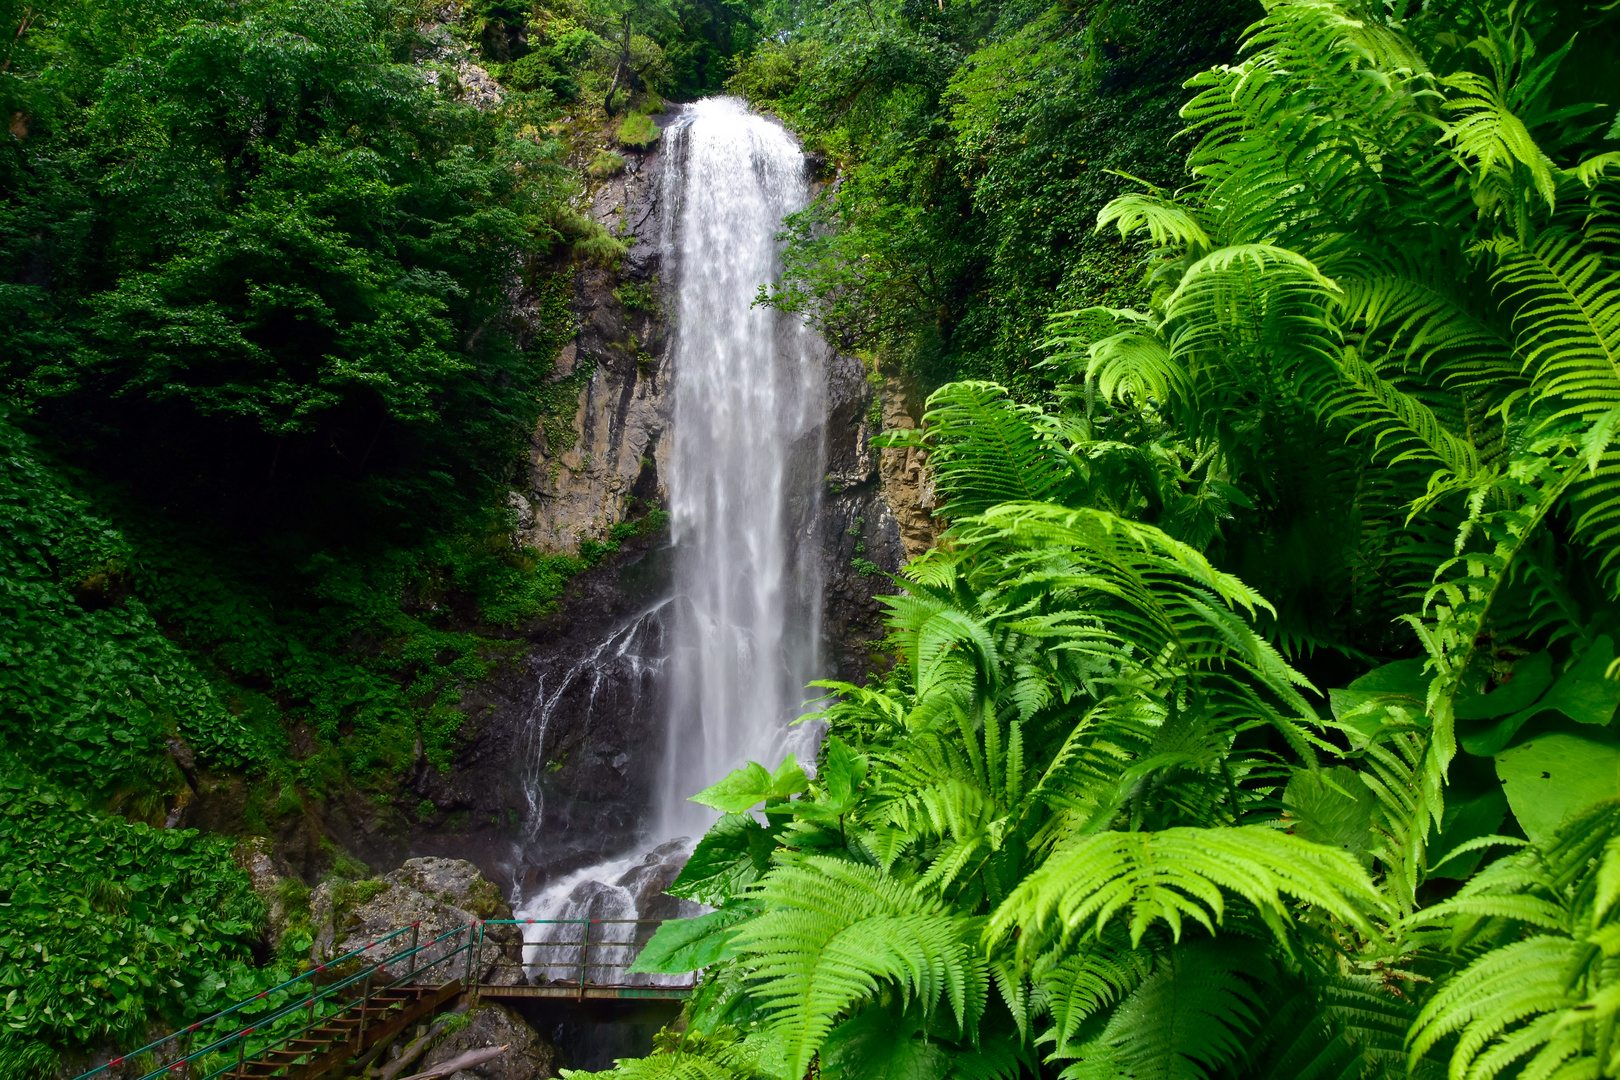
(528, 1055)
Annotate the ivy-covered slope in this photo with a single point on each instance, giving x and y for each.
(109, 926)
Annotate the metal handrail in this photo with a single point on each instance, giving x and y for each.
(584, 944)
(472, 947)
(181, 1066)
(239, 1006)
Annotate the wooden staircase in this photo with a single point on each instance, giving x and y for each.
(344, 1036)
(335, 1012)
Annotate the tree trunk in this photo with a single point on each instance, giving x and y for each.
(622, 67)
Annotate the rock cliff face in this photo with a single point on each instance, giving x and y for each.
(908, 483)
(582, 484)
(861, 539)
(440, 896)
(563, 750)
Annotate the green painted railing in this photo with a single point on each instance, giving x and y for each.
(610, 957)
(238, 1043)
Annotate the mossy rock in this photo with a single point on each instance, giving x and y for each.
(606, 163)
(638, 131)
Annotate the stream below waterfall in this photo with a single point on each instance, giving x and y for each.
(724, 658)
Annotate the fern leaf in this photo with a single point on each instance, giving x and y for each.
(986, 449)
(1166, 221)
(1567, 320)
(1180, 874)
(1190, 1016)
(833, 932)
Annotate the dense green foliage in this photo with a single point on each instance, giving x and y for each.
(264, 389)
(1101, 820)
(976, 144)
(107, 926)
(1256, 717)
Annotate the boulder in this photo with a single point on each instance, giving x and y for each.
(452, 881)
(350, 916)
(530, 1057)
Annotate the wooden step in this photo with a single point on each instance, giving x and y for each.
(320, 1051)
(388, 997)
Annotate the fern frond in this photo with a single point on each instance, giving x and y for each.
(719, 1055)
(987, 449)
(1072, 988)
(1567, 317)
(1168, 223)
(1494, 137)
(1525, 978)
(1180, 874)
(1193, 1014)
(1253, 299)
(1402, 425)
(1136, 365)
(834, 931)
(1321, 1026)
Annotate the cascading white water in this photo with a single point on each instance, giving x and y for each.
(744, 482)
(748, 395)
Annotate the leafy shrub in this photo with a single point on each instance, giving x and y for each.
(637, 297)
(638, 131)
(552, 65)
(89, 683)
(107, 926)
(771, 72)
(591, 239)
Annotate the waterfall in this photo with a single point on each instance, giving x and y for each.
(748, 396)
(739, 636)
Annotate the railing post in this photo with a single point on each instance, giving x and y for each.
(365, 998)
(479, 975)
(584, 956)
(467, 970)
(183, 1070)
(415, 928)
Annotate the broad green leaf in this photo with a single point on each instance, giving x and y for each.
(1332, 806)
(873, 1046)
(731, 856)
(1531, 677)
(1394, 693)
(1465, 820)
(741, 790)
(841, 773)
(1403, 678)
(844, 770)
(1510, 706)
(1582, 693)
(1556, 774)
(683, 945)
(788, 779)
